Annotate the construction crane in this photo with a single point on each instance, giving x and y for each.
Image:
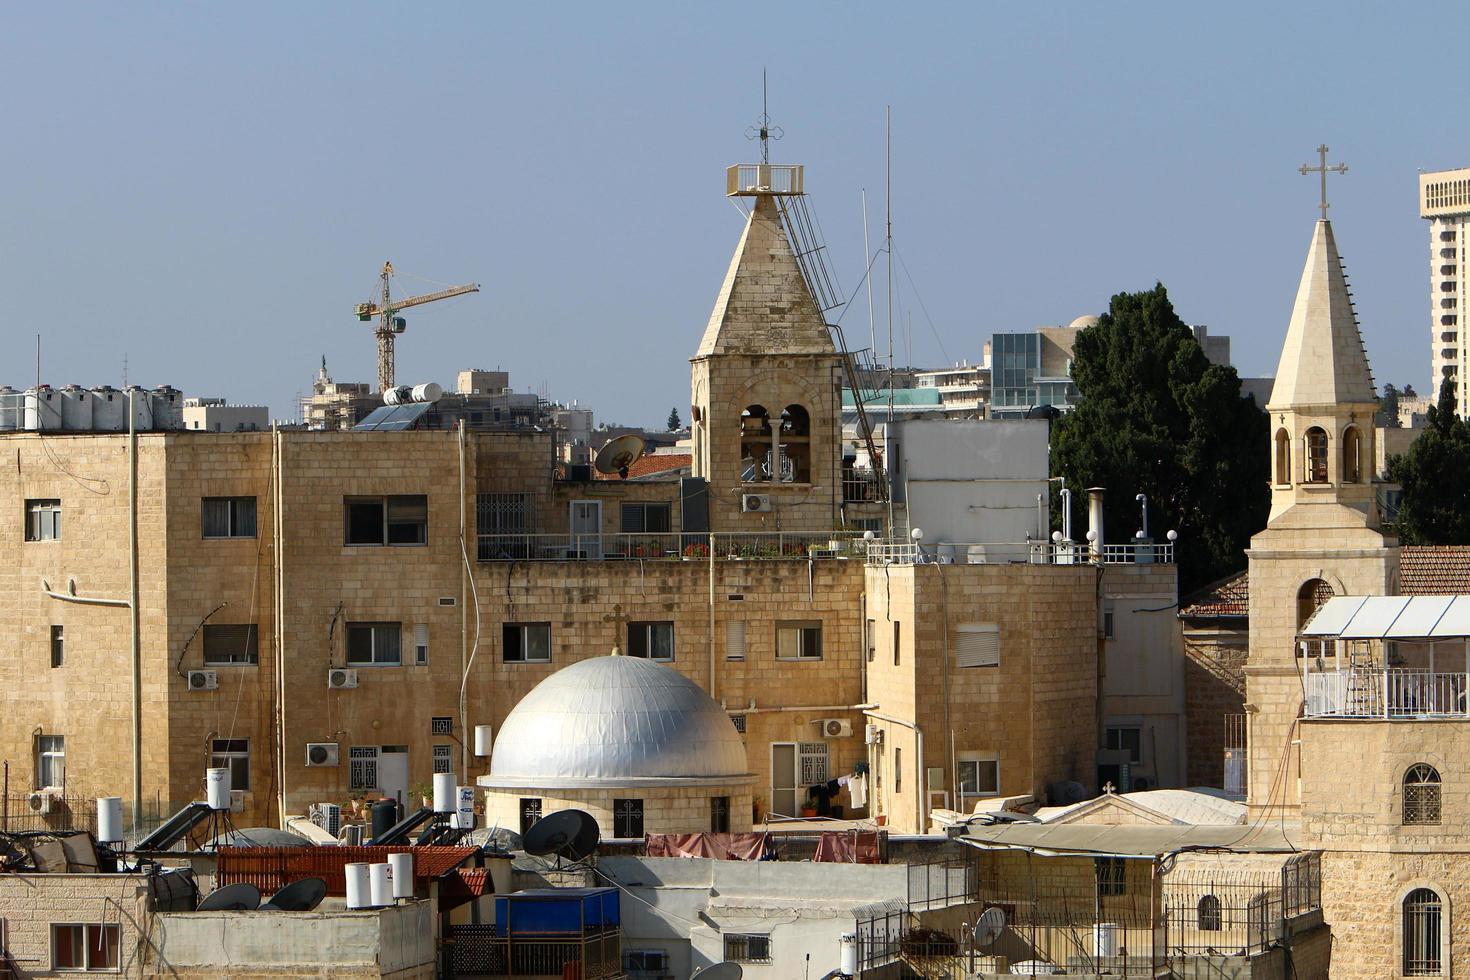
(390, 324)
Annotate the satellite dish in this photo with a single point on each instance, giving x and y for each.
(571, 834)
(239, 897)
(616, 455)
(720, 971)
(300, 896)
(989, 927)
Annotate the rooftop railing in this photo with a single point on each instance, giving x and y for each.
(905, 551)
(1386, 693)
(668, 546)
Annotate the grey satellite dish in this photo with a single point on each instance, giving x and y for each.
(239, 897)
(720, 971)
(571, 834)
(616, 455)
(989, 927)
(299, 896)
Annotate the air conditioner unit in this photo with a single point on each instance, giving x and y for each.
(755, 503)
(872, 735)
(327, 816)
(322, 754)
(203, 680)
(41, 800)
(340, 677)
(835, 727)
(237, 801)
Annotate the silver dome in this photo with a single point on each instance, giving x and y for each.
(615, 721)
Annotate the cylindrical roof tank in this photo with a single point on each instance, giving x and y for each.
(142, 405)
(109, 409)
(12, 409)
(43, 409)
(168, 407)
(76, 409)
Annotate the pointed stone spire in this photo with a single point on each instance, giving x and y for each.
(1322, 361)
(764, 305)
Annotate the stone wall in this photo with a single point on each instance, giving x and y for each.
(31, 904)
(666, 810)
(1214, 686)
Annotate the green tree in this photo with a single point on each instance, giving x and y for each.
(674, 422)
(1435, 507)
(1388, 408)
(1156, 417)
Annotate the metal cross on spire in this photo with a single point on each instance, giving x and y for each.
(764, 131)
(1323, 169)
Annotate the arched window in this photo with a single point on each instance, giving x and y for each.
(1283, 457)
(1421, 796)
(1423, 932)
(796, 452)
(1316, 455)
(1309, 598)
(755, 445)
(1352, 452)
(1210, 917)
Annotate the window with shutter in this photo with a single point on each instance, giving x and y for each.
(977, 645)
(421, 644)
(735, 640)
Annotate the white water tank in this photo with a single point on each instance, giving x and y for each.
(380, 883)
(109, 819)
(142, 406)
(168, 407)
(403, 394)
(12, 409)
(109, 409)
(76, 409)
(217, 788)
(402, 865)
(484, 738)
(847, 942)
(444, 792)
(464, 814)
(359, 887)
(43, 409)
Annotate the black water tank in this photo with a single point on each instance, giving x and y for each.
(385, 817)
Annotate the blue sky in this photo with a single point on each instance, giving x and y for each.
(209, 189)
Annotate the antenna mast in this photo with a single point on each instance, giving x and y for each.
(888, 247)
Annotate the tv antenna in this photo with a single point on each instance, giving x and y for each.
(763, 130)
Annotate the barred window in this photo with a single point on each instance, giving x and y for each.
(362, 770)
(444, 758)
(1421, 796)
(1423, 925)
(1112, 875)
(1210, 917)
(747, 948)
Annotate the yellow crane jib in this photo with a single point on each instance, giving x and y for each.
(389, 324)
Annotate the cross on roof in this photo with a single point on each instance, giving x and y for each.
(763, 130)
(1323, 169)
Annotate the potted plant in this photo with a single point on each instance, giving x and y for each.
(809, 807)
(425, 793)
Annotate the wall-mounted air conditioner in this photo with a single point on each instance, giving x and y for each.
(42, 800)
(203, 680)
(339, 678)
(834, 727)
(755, 503)
(237, 801)
(872, 735)
(322, 754)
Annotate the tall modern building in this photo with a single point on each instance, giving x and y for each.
(1444, 199)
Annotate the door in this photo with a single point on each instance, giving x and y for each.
(783, 780)
(586, 525)
(393, 774)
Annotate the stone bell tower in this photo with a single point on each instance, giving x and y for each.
(1323, 537)
(766, 385)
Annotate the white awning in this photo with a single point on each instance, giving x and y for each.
(1395, 617)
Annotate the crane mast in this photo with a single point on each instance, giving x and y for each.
(390, 324)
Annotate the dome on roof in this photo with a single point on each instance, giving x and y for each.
(1086, 320)
(612, 721)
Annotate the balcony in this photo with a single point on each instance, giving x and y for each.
(904, 551)
(675, 546)
(1386, 693)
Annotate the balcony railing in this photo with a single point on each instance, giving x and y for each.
(1386, 693)
(903, 551)
(674, 546)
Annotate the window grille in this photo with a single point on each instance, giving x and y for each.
(444, 758)
(1112, 875)
(1211, 918)
(747, 948)
(1421, 796)
(530, 813)
(442, 725)
(362, 770)
(1423, 921)
(812, 763)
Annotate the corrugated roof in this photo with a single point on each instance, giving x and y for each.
(272, 868)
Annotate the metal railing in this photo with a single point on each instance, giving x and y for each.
(769, 178)
(666, 547)
(1386, 693)
(904, 551)
(860, 487)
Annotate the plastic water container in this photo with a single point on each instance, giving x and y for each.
(109, 819)
(217, 788)
(43, 409)
(76, 408)
(359, 887)
(380, 883)
(444, 792)
(109, 409)
(402, 865)
(484, 739)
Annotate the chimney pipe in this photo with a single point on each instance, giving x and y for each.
(1095, 520)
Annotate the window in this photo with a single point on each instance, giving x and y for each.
(646, 962)
(526, 643)
(1283, 457)
(374, 644)
(58, 646)
(421, 645)
(798, 641)
(719, 814)
(627, 818)
(84, 947)
(896, 637)
(1309, 598)
(652, 640)
(978, 777)
(747, 948)
(739, 722)
(398, 520)
(43, 520)
(1316, 460)
(530, 813)
(897, 770)
(872, 640)
(735, 640)
(796, 452)
(977, 645)
(502, 520)
(444, 758)
(362, 767)
(232, 754)
(231, 643)
(50, 761)
(1210, 917)
(1352, 443)
(755, 445)
(812, 763)
(228, 517)
(441, 725)
(1421, 796)
(1126, 739)
(1112, 875)
(647, 519)
(1423, 933)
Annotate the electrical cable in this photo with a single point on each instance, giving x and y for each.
(932, 328)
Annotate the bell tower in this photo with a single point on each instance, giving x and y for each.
(766, 381)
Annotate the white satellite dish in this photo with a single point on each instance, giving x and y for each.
(989, 926)
(618, 454)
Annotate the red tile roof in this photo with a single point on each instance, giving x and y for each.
(1228, 597)
(650, 465)
(272, 868)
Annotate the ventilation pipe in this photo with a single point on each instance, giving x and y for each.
(1066, 514)
(1095, 521)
